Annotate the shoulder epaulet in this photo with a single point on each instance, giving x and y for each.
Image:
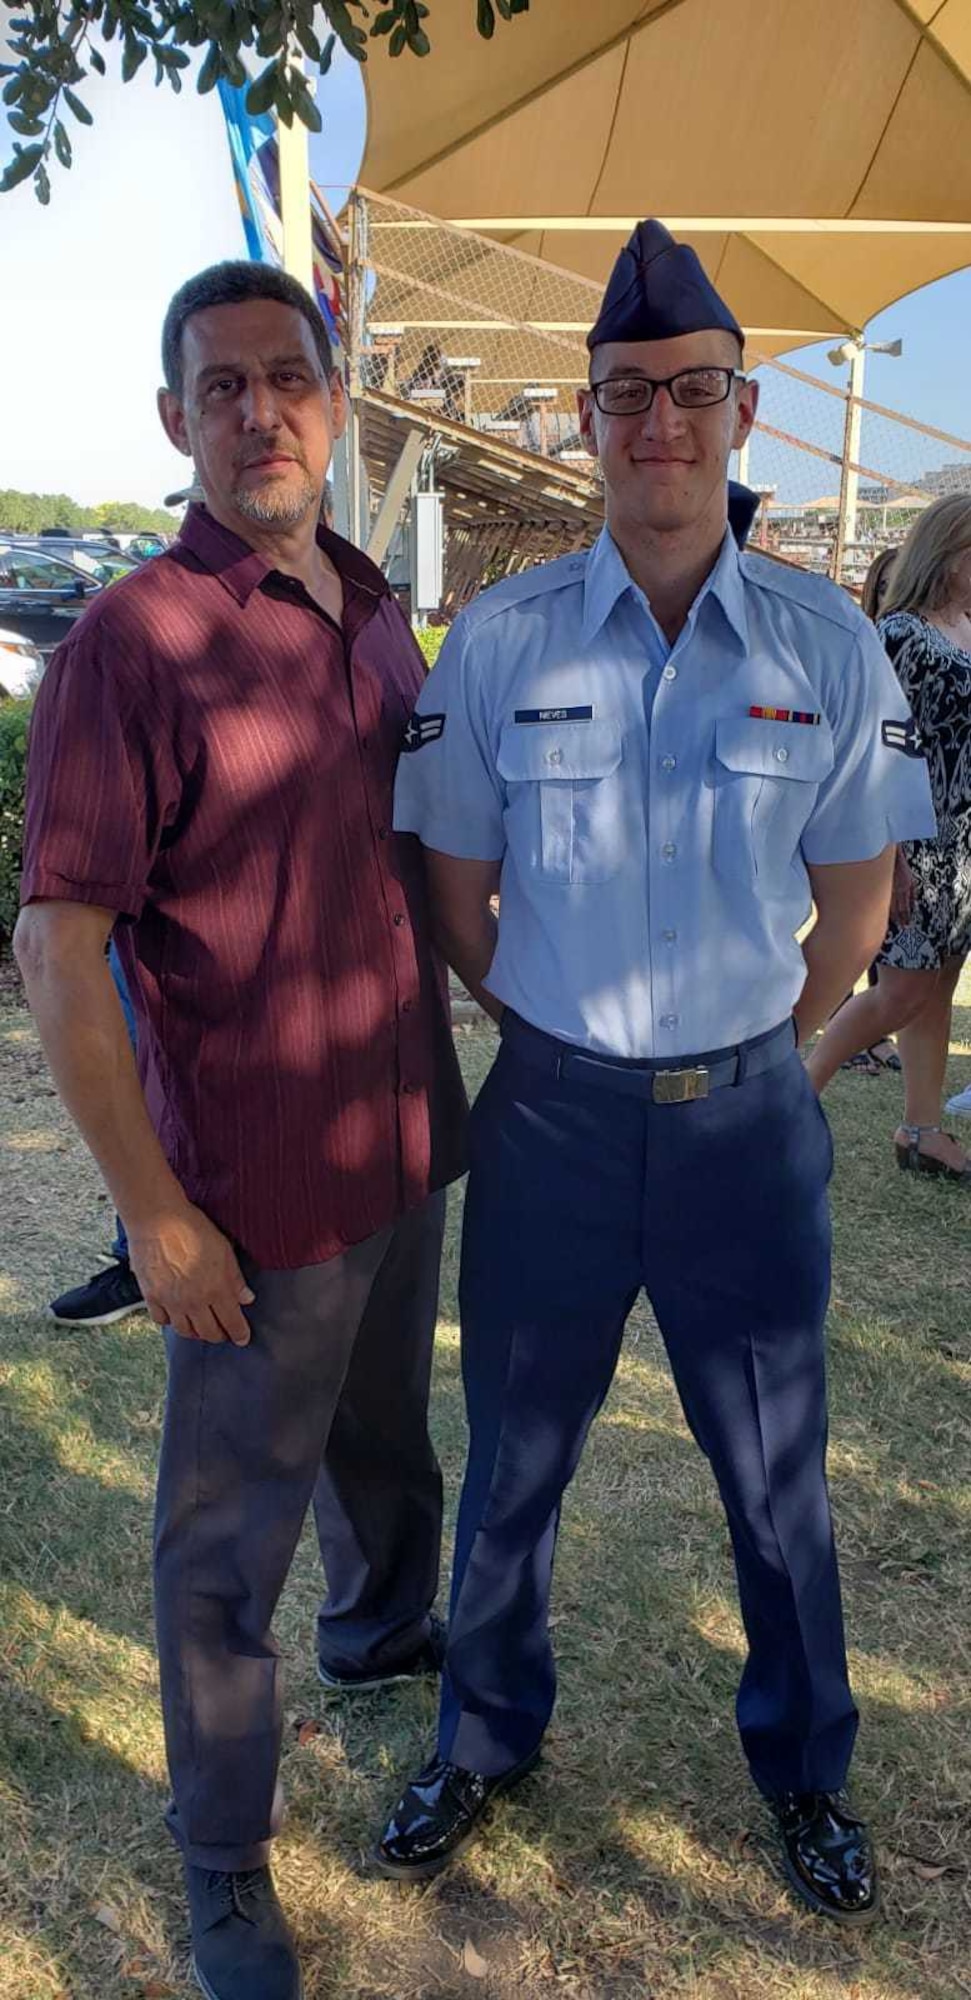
(527, 583)
(801, 586)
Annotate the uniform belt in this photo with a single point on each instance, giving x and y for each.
(659, 1082)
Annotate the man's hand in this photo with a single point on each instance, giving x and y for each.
(189, 1276)
(903, 894)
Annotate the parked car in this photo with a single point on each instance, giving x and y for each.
(96, 558)
(40, 596)
(21, 665)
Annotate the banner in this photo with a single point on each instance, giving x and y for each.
(253, 152)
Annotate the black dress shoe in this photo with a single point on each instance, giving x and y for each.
(242, 1947)
(437, 1816)
(828, 1854)
(427, 1662)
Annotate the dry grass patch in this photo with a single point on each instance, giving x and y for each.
(637, 1861)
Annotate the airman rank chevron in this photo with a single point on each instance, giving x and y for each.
(423, 729)
(903, 736)
(783, 715)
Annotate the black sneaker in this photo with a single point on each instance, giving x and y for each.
(109, 1295)
(242, 1945)
(428, 1661)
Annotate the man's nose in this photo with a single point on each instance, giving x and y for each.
(260, 409)
(663, 420)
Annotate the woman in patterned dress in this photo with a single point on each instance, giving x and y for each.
(926, 629)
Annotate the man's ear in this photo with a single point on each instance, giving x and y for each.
(586, 409)
(748, 403)
(172, 417)
(338, 405)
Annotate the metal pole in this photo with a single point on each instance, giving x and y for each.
(294, 157)
(846, 525)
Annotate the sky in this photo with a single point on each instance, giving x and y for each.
(150, 200)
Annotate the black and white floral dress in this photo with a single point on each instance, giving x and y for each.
(935, 675)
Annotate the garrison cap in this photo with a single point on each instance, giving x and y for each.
(658, 289)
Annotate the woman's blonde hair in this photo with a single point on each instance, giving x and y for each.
(870, 600)
(921, 576)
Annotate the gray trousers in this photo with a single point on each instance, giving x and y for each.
(327, 1403)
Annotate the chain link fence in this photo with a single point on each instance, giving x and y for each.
(469, 329)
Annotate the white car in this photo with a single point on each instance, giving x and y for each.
(21, 664)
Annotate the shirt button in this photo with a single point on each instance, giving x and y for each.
(670, 673)
(782, 754)
(668, 851)
(409, 1089)
(383, 832)
(668, 763)
(669, 936)
(554, 756)
(399, 919)
(406, 1006)
(669, 1021)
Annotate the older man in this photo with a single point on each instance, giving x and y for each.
(211, 773)
(667, 749)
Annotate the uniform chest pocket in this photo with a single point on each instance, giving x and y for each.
(765, 777)
(563, 789)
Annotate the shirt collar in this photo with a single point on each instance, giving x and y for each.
(607, 577)
(241, 569)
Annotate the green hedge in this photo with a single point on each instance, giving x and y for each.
(14, 716)
(431, 638)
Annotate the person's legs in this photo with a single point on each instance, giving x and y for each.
(923, 1053)
(737, 1255)
(550, 1269)
(378, 1500)
(863, 1021)
(245, 1431)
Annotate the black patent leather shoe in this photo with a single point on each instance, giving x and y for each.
(828, 1854)
(437, 1816)
(242, 1946)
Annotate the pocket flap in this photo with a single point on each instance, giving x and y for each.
(543, 750)
(775, 749)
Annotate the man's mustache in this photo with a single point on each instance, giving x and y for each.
(270, 447)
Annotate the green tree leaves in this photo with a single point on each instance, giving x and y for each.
(50, 42)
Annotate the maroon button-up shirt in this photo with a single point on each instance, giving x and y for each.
(212, 758)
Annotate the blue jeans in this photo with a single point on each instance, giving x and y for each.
(119, 1247)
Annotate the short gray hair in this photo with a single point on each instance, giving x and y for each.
(232, 284)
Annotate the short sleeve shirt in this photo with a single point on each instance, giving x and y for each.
(213, 759)
(654, 807)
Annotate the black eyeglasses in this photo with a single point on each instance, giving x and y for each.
(690, 389)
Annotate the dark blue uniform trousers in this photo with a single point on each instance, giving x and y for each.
(576, 1198)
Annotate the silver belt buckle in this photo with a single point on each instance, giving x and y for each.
(679, 1086)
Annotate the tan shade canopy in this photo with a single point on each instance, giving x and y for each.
(817, 153)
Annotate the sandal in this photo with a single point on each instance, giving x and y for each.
(911, 1160)
(865, 1061)
(891, 1061)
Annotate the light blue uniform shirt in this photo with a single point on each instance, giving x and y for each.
(653, 832)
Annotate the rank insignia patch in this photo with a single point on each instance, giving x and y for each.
(423, 729)
(903, 736)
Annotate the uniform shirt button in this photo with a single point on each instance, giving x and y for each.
(668, 763)
(409, 1089)
(670, 673)
(782, 754)
(669, 850)
(669, 1021)
(554, 756)
(669, 936)
(406, 1006)
(399, 919)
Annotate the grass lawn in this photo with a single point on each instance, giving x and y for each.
(637, 1861)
